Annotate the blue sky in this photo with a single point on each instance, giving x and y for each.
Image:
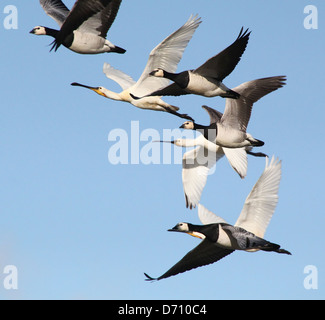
(78, 227)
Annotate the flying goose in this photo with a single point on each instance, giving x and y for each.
(221, 239)
(168, 53)
(229, 129)
(207, 79)
(196, 163)
(84, 28)
(209, 132)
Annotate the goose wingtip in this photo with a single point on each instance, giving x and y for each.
(148, 278)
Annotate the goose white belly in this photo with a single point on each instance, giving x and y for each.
(88, 43)
(207, 87)
(226, 241)
(230, 138)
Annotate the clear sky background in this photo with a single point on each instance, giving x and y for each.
(78, 227)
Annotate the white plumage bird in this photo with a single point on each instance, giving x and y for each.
(197, 163)
(168, 53)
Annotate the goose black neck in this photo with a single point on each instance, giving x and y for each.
(200, 127)
(51, 32)
(182, 79)
(211, 231)
(170, 76)
(207, 131)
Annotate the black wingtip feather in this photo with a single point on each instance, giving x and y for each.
(134, 97)
(244, 34)
(118, 50)
(55, 46)
(149, 278)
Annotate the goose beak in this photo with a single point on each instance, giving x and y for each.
(95, 89)
(152, 73)
(173, 229)
(191, 233)
(182, 126)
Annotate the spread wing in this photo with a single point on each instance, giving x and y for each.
(262, 200)
(208, 217)
(205, 253)
(215, 115)
(166, 55)
(124, 80)
(237, 158)
(56, 9)
(238, 111)
(102, 21)
(196, 166)
(221, 65)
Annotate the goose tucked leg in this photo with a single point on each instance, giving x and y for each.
(230, 94)
(257, 154)
(180, 115)
(269, 246)
(254, 142)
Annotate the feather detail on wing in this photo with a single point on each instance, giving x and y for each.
(222, 64)
(238, 111)
(166, 55)
(214, 115)
(262, 200)
(203, 254)
(101, 22)
(208, 217)
(55, 9)
(124, 80)
(237, 158)
(80, 12)
(196, 166)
